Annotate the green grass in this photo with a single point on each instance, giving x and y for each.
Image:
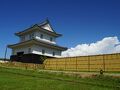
(18, 79)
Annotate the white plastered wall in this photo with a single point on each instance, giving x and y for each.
(45, 38)
(37, 35)
(48, 51)
(36, 49)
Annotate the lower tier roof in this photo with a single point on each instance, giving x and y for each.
(37, 42)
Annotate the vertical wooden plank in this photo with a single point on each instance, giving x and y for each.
(56, 63)
(76, 63)
(65, 63)
(88, 64)
(103, 63)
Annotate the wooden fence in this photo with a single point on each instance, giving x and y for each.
(106, 62)
(22, 65)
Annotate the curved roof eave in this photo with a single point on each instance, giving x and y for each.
(35, 27)
(42, 43)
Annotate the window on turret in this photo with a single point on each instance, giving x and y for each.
(31, 36)
(23, 38)
(43, 51)
(53, 53)
(41, 36)
(29, 50)
(51, 39)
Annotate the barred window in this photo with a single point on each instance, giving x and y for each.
(43, 51)
(53, 53)
(31, 36)
(41, 35)
(51, 39)
(29, 50)
(23, 38)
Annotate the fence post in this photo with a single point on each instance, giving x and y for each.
(56, 63)
(49, 64)
(76, 63)
(65, 63)
(103, 63)
(34, 66)
(43, 65)
(25, 66)
(5, 53)
(88, 63)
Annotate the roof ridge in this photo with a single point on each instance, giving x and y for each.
(46, 21)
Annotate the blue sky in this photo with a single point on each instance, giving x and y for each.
(80, 21)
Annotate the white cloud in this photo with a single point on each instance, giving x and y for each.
(105, 46)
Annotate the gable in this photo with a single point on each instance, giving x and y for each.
(47, 27)
(44, 27)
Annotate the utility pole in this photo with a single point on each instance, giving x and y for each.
(5, 53)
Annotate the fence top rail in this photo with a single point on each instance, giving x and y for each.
(85, 56)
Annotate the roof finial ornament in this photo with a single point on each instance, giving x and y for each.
(47, 20)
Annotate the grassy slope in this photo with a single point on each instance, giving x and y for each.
(15, 79)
